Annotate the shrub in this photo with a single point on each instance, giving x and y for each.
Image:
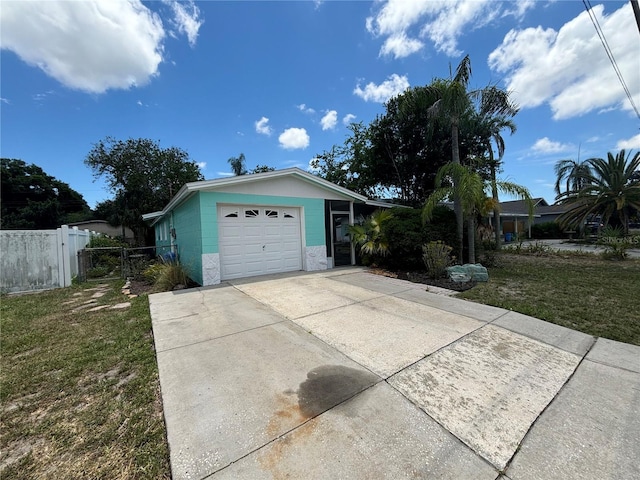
(614, 242)
(436, 257)
(166, 276)
(546, 230)
(406, 234)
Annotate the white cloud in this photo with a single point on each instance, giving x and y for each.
(90, 45)
(545, 145)
(569, 69)
(406, 23)
(5, 100)
(263, 127)
(632, 143)
(391, 87)
(330, 120)
(202, 165)
(303, 108)
(400, 46)
(225, 174)
(348, 118)
(294, 138)
(186, 19)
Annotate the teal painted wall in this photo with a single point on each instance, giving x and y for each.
(313, 215)
(188, 226)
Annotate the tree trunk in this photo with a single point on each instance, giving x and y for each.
(496, 208)
(457, 204)
(471, 238)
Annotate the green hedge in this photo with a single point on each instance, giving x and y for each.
(406, 235)
(546, 230)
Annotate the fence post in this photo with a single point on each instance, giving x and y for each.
(66, 261)
(60, 252)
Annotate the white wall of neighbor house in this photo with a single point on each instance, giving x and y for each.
(40, 259)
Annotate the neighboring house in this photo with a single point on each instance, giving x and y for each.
(514, 215)
(271, 222)
(104, 227)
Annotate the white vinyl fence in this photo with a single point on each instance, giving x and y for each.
(40, 259)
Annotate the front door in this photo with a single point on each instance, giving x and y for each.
(341, 241)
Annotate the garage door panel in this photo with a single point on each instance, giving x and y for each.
(258, 240)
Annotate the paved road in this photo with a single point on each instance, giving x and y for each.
(345, 374)
(565, 245)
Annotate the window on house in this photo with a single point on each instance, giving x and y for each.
(251, 213)
(288, 214)
(271, 213)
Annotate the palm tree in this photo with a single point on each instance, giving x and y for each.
(573, 173)
(611, 190)
(458, 180)
(369, 235)
(454, 102)
(238, 165)
(490, 129)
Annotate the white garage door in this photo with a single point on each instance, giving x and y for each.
(256, 240)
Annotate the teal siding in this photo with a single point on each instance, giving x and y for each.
(313, 215)
(187, 223)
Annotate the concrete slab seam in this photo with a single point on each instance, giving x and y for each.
(609, 365)
(593, 339)
(273, 440)
(221, 336)
(517, 450)
(461, 441)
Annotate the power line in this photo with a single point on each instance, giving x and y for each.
(605, 44)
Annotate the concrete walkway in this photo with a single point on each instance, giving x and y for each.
(345, 374)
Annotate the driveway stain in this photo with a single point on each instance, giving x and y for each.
(325, 387)
(328, 385)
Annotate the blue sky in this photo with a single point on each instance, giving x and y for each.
(279, 81)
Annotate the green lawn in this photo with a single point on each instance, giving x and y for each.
(79, 389)
(582, 292)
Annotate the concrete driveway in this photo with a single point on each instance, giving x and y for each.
(346, 374)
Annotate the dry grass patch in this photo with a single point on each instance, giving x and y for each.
(80, 391)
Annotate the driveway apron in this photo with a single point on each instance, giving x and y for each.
(346, 374)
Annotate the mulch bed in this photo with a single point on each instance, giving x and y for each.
(422, 277)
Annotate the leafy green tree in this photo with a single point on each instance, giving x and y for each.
(610, 189)
(142, 176)
(237, 164)
(262, 169)
(348, 165)
(454, 180)
(31, 199)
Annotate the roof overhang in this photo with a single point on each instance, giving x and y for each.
(212, 185)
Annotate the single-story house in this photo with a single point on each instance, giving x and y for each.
(279, 221)
(514, 215)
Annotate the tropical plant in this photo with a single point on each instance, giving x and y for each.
(238, 165)
(455, 102)
(369, 235)
(459, 180)
(490, 129)
(610, 190)
(574, 174)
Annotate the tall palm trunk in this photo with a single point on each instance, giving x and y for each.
(471, 238)
(457, 204)
(496, 208)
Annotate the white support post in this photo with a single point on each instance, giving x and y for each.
(66, 263)
(60, 252)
